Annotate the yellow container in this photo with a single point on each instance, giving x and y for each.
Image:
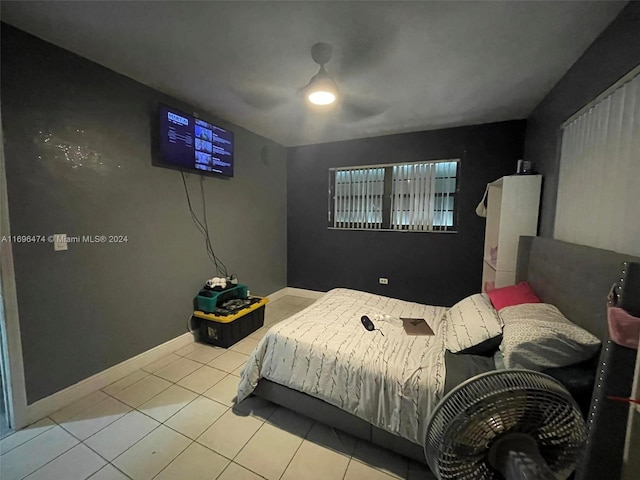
(226, 330)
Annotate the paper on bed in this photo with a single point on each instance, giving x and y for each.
(416, 326)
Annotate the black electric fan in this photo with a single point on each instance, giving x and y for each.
(505, 424)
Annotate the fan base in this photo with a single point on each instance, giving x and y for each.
(517, 457)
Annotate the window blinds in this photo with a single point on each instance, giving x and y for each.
(358, 198)
(599, 183)
(416, 196)
(422, 196)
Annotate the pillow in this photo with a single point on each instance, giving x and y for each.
(473, 326)
(537, 336)
(512, 295)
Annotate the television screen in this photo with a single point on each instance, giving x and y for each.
(189, 143)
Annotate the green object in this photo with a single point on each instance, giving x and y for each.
(209, 300)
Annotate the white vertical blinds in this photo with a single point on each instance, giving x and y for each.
(599, 184)
(358, 198)
(422, 196)
(417, 197)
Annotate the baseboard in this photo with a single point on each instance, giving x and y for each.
(46, 406)
(296, 292)
(301, 292)
(278, 294)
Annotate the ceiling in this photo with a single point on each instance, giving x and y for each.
(401, 66)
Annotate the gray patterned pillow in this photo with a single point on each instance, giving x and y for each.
(473, 326)
(537, 336)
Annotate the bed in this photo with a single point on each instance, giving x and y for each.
(384, 376)
(382, 385)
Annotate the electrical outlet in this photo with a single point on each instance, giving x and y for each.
(60, 242)
(383, 281)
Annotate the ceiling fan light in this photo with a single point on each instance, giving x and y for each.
(321, 89)
(321, 97)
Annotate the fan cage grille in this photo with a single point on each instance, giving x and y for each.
(475, 414)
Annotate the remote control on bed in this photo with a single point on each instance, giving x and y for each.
(368, 324)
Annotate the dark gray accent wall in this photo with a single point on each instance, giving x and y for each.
(78, 153)
(433, 268)
(614, 53)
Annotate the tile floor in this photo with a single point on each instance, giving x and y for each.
(177, 419)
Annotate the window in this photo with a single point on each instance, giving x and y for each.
(417, 196)
(598, 194)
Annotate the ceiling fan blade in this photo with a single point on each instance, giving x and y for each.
(355, 107)
(262, 97)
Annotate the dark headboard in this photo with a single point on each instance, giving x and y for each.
(575, 278)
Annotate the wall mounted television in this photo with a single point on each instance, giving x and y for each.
(188, 143)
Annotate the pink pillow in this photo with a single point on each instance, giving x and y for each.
(513, 295)
(624, 328)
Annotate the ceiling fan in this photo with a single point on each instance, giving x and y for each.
(322, 89)
(321, 93)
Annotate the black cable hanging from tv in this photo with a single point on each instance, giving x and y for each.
(203, 228)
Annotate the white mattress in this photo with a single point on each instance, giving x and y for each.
(392, 381)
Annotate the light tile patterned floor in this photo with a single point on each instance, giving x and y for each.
(176, 419)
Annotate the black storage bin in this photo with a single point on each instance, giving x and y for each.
(225, 334)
